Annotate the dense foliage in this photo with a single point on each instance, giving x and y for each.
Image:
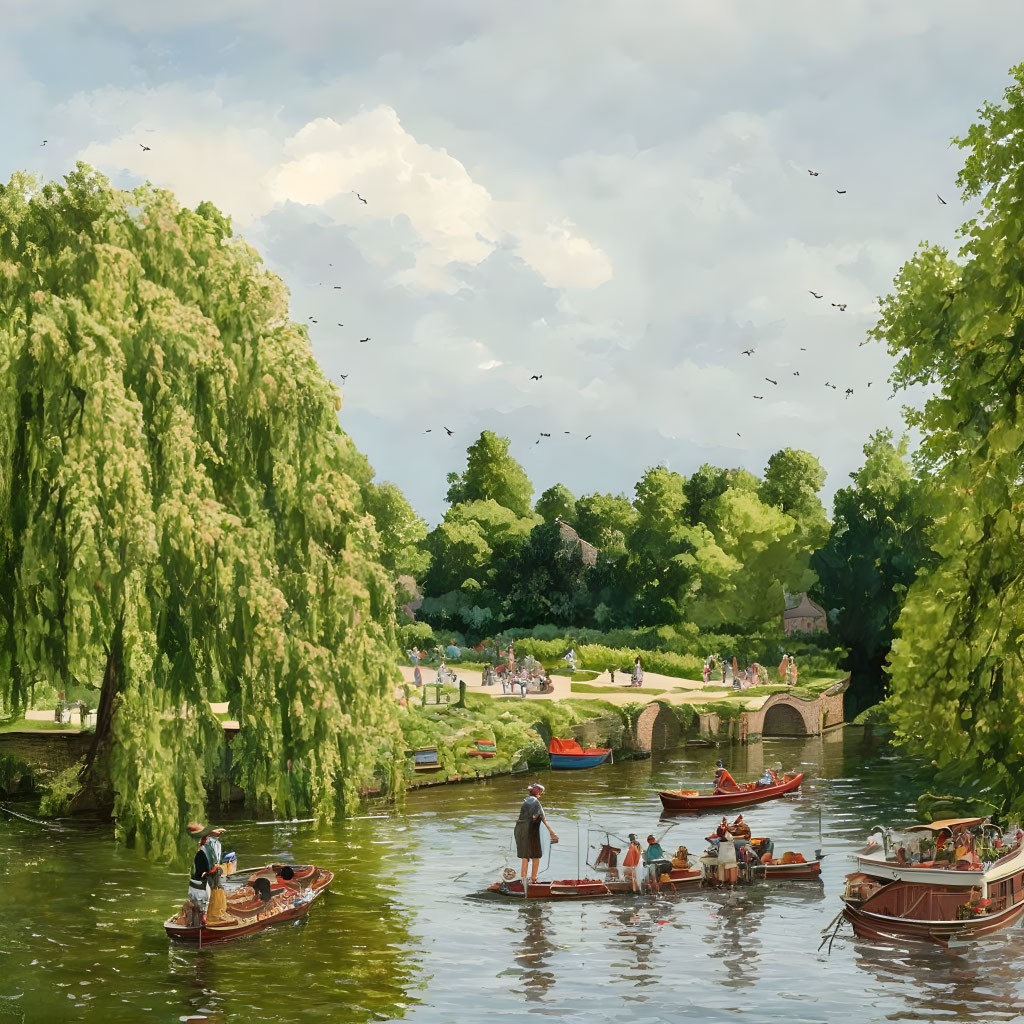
(181, 517)
(957, 666)
(718, 550)
(877, 545)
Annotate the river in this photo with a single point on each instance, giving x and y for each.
(396, 939)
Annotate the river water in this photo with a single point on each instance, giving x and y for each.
(397, 939)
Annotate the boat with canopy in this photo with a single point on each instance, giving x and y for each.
(954, 878)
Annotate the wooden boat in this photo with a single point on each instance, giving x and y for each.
(587, 888)
(566, 754)
(694, 801)
(965, 889)
(256, 898)
(790, 866)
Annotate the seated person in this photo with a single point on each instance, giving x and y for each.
(768, 778)
(723, 828)
(655, 859)
(739, 828)
(724, 782)
(681, 858)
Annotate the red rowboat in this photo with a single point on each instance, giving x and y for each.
(256, 898)
(694, 801)
(587, 888)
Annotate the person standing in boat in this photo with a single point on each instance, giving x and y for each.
(632, 860)
(527, 832)
(206, 866)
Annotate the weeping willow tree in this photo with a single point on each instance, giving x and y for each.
(958, 325)
(181, 517)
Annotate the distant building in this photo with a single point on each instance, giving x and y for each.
(804, 616)
(571, 539)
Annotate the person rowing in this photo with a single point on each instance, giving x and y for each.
(724, 782)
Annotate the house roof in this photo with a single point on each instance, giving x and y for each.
(805, 607)
(570, 537)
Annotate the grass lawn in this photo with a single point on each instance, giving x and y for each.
(30, 725)
(587, 688)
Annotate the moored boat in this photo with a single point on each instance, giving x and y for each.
(694, 801)
(255, 899)
(955, 878)
(568, 754)
(588, 888)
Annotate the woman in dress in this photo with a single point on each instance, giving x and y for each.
(638, 673)
(527, 833)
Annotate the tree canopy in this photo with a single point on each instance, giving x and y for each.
(957, 666)
(181, 516)
(876, 546)
(491, 474)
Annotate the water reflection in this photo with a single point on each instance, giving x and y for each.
(533, 950)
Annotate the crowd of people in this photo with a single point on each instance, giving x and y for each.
(753, 675)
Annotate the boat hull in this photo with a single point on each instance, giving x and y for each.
(586, 888)
(809, 871)
(569, 762)
(883, 928)
(292, 901)
(695, 803)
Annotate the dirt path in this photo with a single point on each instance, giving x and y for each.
(672, 689)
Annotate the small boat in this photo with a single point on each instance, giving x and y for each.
(255, 899)
(790, 866)
(569, 754)
(586, 888)
(694, 801)
(952, 879)
(483, 748)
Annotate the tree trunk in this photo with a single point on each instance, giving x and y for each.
(96, 793)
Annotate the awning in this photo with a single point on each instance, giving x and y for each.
(951, 823)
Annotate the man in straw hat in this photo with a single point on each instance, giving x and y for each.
(527, 832)
(206, 866)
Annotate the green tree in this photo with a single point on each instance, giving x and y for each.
(491, 474)
(877, 545)
(402, 532)
(605, 520)
(792, 480)
(957, 668)
(557, 502)
(180, 514)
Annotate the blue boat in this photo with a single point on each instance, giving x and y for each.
(568, 754)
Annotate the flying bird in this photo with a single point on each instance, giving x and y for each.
(145, 149)
(341, 325)
(759, 397)
(841, 306)
(940, 199)
(449, 432)
(796, 373)
(840, 191)
(314, 321)
(849, 391)
(738, 434)
(833, 387)
(537, 441)
(869, 383)
(537, 376)
(542, 434)
(362, 341)
(815, 294)
(770, 381)
(813, 174)
(802, 349)
(358, 196)
(427, 431)
(337, 287)
(588, 437)
(343, 376)
(748, 351)
(566, 431)
(44, 142)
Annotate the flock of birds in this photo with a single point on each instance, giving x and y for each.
(840, 306)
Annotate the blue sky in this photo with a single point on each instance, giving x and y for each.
(613, 195)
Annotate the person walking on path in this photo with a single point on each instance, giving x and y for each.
(527, 833)
(638, 673)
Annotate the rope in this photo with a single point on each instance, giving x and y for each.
(32, 821)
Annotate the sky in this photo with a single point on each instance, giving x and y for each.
(612, 196)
